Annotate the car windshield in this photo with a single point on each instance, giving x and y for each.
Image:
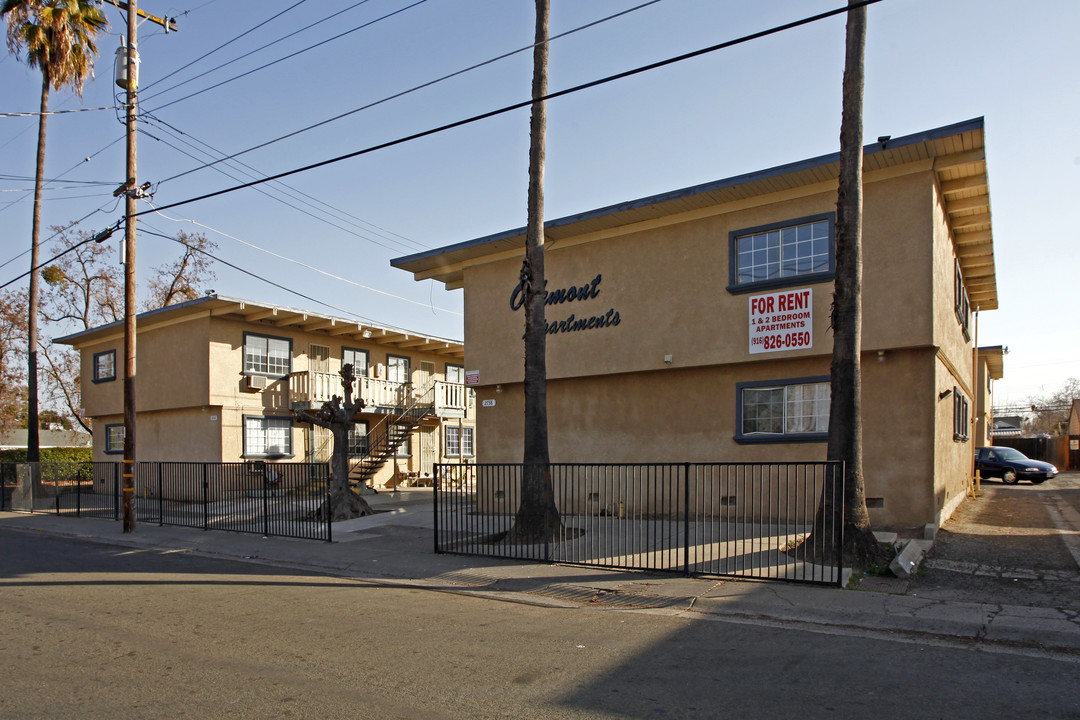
(1010, 454)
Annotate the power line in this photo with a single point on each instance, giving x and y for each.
(55, 112)
(527, 103)
(412, 90)
(219, 47)
(292, 192)
(305, 265)
(291, 55)
(277, 285)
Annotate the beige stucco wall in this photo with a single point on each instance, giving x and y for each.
(192, 396)
(612, 397)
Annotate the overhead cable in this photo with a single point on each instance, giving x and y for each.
(403, 93)
(527, 103)
(290, 55)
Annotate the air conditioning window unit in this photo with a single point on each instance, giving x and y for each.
(256, 382)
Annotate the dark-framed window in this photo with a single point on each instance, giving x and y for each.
(792, 252)
(455, 373)
(114, 439)
(961, 302)
(792, 410)
(104, 366)
(961, 416)
(358, 439)
(460, 441)
(267, 436)
(404, 450)
(358, 358)
(267, 355)
(398, 369)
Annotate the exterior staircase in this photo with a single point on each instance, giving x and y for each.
(387, 435)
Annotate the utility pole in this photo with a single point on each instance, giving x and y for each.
(132, 192)
(129, 270)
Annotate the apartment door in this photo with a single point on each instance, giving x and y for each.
(427, 377)
(319, 358)
(429, 438)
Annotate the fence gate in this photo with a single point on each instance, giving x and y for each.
(754, 520)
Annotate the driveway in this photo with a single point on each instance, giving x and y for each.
(1015, 545)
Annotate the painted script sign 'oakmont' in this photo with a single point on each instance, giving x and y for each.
(782, 321)
(574, 293)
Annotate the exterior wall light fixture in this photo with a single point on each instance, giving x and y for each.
(881, 356)
(944, 394)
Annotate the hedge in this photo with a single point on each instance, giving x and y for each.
(49, 455)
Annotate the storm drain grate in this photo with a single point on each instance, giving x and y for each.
(464, 578)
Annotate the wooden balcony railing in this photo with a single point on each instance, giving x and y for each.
(315, 388)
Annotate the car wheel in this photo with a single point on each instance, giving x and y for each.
(1009, 477)
(1038, 481)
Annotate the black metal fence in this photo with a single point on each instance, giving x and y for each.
(751, 520)
(283, 499)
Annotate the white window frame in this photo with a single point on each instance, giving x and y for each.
(267, 355)
(267, 436)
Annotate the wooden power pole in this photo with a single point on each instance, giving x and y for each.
(132, 192)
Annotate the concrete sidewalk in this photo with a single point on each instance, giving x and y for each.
(396, 546)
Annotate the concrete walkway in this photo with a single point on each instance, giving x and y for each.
(396, 546)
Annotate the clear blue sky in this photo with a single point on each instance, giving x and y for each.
(772, 101)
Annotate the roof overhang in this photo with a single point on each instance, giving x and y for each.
(994, 357)
(955, 152)
(277, 316)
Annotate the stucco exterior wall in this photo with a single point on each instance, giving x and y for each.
(613, 398)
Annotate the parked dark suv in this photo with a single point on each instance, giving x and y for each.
(1012, 465)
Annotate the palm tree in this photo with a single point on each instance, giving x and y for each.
(845, 411)
(58, 37)
(537, 517)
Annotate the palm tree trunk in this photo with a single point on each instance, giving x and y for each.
(33, 449)
(845, 412)
(537, 517)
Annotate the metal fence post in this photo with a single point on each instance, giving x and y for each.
(435, 501)
(686, 519)
(329, 519)
(205, 497)
(160, 496)
(266, 501)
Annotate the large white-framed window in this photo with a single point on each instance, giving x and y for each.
(460, 441)
(267, 436)
(358, 358)
(793, 410)
(114, 439)
(104, 366)
(781, 254)
(267, 355)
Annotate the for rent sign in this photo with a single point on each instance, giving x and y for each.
(782, 321)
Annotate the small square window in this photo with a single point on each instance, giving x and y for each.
(104, 366)
(114, 439)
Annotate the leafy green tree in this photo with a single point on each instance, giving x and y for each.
(12, 358)
(58, 38)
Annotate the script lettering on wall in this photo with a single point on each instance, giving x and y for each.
(574, 293)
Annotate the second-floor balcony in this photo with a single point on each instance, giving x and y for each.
(310, 389)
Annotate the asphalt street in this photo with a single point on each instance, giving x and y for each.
(93, 630)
